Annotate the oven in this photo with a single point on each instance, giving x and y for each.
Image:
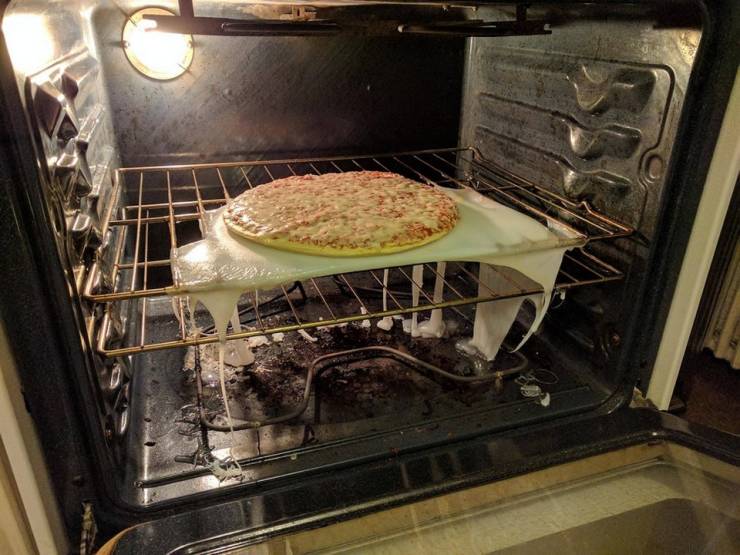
(126, 125)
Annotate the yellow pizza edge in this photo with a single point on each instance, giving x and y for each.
(300, 248)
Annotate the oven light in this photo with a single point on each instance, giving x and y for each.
(157, 55)
(29, 42)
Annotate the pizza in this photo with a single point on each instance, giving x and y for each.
(342, 214)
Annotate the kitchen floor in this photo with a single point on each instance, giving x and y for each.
(711, 390)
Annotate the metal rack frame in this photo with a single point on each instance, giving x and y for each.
(208, 186)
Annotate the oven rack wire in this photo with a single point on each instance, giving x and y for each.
(171, 200)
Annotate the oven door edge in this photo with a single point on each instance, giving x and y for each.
(705, 234)
(707, 101)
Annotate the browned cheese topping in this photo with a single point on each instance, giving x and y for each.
(342, 214)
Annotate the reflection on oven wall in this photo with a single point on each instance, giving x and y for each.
(57, 67)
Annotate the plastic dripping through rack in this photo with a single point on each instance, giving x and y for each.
(171, 200)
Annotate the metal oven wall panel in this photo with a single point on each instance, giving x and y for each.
(54, 207)
(57, 68)
(591, 112)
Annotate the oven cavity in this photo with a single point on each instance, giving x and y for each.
(325, 369)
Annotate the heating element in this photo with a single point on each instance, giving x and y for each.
(189, 190)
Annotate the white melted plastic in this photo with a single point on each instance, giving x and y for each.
(308, 337)
(222, 306)
(218, 269)
(485, 232)
(493, 320)
(417, 283)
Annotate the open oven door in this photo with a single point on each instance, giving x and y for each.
(636, 480)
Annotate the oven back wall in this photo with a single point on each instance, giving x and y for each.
(283, 95)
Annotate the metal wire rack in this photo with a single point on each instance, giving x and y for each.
(164, 204)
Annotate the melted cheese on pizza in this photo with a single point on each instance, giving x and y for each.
(343, 214)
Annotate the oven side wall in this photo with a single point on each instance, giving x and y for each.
(591, 112)
(57, 161)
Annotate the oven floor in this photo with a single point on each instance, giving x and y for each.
(359, 402)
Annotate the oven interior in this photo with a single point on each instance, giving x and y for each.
(565, 112)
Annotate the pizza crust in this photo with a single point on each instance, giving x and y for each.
(285, 245)
(342, 214)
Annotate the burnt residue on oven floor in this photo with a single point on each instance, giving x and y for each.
(352, 400)
(362, 396)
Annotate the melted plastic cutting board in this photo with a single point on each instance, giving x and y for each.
(487, 231)
(217, 270)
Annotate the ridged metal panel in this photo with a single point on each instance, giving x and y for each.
(590, 112)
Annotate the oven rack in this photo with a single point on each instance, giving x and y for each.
(171, 200)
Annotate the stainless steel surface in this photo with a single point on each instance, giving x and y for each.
(591, 110)
(204, 186)
(55, 56)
